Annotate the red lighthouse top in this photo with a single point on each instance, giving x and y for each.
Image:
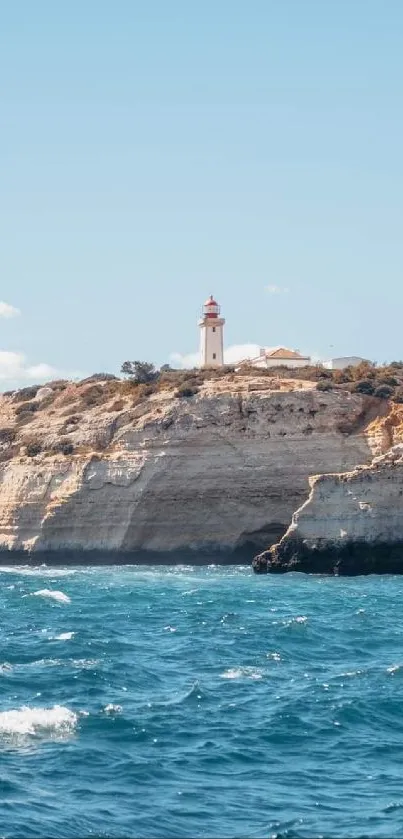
(211, 308)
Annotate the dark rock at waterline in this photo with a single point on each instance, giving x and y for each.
(351, 559)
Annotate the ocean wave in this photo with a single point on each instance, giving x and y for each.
(193, 715)
(112, 709)
(300, 619)
(38, 571)
(59, 596)
(28, 722)
(64, 636)
(85, 663)
(394, 668)
(195, 691)
(255, 673)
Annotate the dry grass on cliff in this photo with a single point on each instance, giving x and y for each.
(83, 416)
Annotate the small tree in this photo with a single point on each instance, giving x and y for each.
(141, 372)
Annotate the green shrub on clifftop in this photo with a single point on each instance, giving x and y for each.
(384, 391)
(363, 386)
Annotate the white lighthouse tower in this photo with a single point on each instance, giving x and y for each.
(211, 335)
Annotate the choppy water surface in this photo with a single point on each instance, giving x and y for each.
(139, 702)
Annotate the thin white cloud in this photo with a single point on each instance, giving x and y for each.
(14, 368)
(185, 361)
(234, 353)
(239, 352)
(7, 311)
(42, 371)
(276, 289)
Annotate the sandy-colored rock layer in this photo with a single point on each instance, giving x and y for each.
(222, 470)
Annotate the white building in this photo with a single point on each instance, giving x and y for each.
(211, 335)
(344, 361)
(279, 356)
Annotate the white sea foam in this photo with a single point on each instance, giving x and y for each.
(112, 709)
(299, 619)
(38, 571)
(25, 721)
(85, 663)
(59, 596)
(242, 673)
(274, 656)
(394, 668)
(64, 636)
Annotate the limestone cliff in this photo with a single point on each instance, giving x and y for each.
(352, 522)
(107, 468)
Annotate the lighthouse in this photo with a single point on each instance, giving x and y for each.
(211, 335)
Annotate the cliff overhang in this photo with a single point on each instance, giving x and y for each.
(351, 523)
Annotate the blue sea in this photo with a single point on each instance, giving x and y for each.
(206, 702)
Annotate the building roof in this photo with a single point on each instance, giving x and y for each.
(283, 352)
(211, 301)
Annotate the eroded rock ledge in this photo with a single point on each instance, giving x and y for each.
(352, 523)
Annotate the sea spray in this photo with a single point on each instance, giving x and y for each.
(58, 596)
(28, 721)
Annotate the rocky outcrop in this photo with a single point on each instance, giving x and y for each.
(106, 472)
(351, 524)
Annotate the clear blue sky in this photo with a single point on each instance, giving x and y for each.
(153, 152)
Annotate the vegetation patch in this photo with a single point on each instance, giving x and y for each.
(141, 372)
(142, 392)
(63, 446)
(118, 405)
(33, 447)
(384, 391)
(92, 396)
(46, 402)
(27, 407)
(398, 395)
(99, 377)
(71, 424)
(185, 392)
(7, 435)
(363, 386)
(58, 384)
(26, 393)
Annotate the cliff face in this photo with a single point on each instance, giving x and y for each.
(351, 523)
(224, 469)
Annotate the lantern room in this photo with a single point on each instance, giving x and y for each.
(211, 308)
